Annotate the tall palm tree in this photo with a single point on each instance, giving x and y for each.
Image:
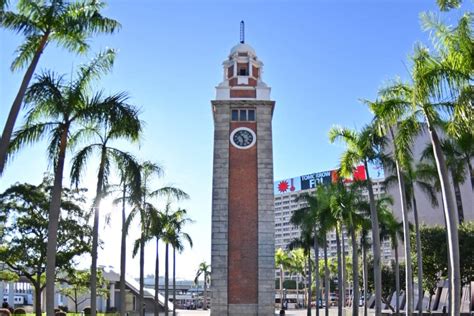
(156, 231)
(456, 165)
(128, 127)
(444, 78)
(364, 147)
(145, 210)
(130, 181)
(305, 241)
(282, 262)
(349, 205)
(364, 244)
(389, 111)
(391, 228)
(420, 177)
(204, 269)
(178, 220)
(57, 109)
(171, 222)
(68, 24)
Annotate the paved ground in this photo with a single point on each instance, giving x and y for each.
(301, 312)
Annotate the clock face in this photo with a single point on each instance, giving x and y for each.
(243, 138)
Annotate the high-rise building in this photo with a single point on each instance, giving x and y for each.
(242, 256)
(287, 201)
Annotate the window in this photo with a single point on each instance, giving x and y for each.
(243, 115)
(243, 72)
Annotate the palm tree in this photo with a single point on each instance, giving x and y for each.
(297, 267)
(127, 126)
(143, 208)
(456, 164)
(365, 147)
(348, 205)
(389, 112)
(178, 220)
(171, 222)
(58, 108)
(391, 228)
(68, 24)
(444, 79)
(420, 177)
(156, 231)
(305, 241)
(364, 244)
(204, 269)
(282, 262)
(130, 180)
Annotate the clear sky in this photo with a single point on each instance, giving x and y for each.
(320, 58)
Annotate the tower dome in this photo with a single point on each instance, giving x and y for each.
(242, 48)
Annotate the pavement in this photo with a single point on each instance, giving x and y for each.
(300, 312)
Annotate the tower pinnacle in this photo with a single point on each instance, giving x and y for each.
(242, 32)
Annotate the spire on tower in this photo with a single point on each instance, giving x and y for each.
(242, 32)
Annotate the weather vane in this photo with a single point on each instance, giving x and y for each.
(242, 32)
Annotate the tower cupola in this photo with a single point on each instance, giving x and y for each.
(242, 75)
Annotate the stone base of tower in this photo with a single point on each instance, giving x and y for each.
(257, 297)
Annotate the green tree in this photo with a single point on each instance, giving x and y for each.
(24, 246)
(68, 24)
(282, 262)
(297, 267)
(59, 107)
(77, 286)
(204, 269)
(364, 147)
(103, 134)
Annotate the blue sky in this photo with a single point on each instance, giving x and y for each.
(320, 58)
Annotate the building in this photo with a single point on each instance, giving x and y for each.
(242, 258)
(287, 193)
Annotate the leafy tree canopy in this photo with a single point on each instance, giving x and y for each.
(23, 246)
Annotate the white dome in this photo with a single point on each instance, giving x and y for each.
(242, 48)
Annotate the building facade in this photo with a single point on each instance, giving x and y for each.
(287, 193)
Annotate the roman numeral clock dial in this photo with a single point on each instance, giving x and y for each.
(243, 138)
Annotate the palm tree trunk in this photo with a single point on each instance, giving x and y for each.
(281, 286)
(344, 272)
(157, 278)
(457, 195)
(123, 250)
(452, 221)
(397, 282)
(95, 237)
(205, 291)
(174, 282)
(316, 269)
(16, 106)
(308, 309)
(365, 274)
(326, 278)
(166, 278)
(95, 234)
(141, 301)
(406, 234)
(375, 244)
(339, 272)
(298, 289)
(419, 257)
(54, 211)
(355, 274)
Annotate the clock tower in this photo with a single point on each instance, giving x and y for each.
(243, 246)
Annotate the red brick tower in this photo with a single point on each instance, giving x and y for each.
(242, 280)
